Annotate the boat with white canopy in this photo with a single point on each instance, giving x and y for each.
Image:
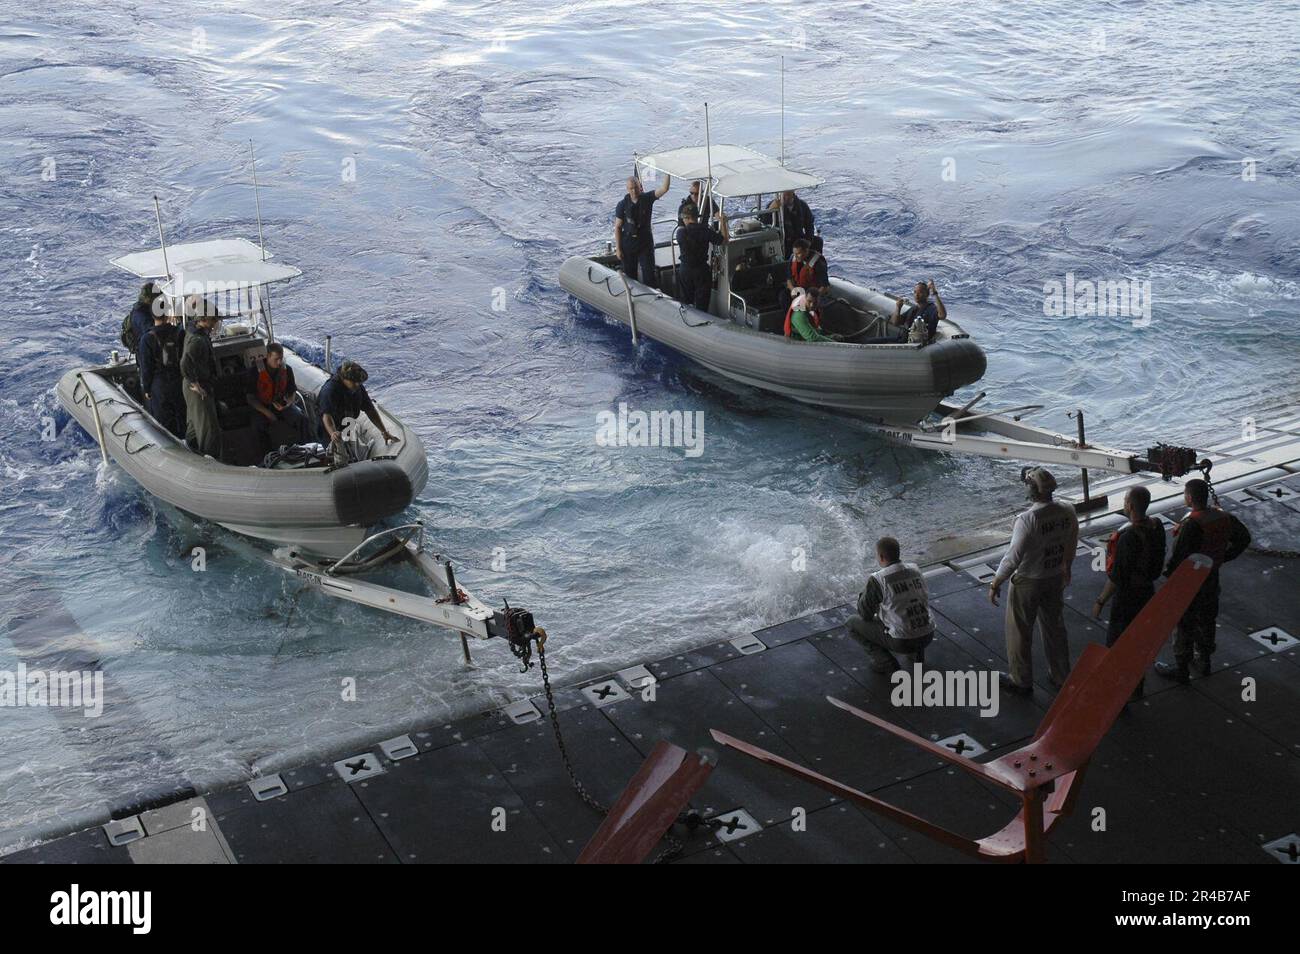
(326, 509)
(328, 521)
(873, 371)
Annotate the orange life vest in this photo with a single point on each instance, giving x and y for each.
(801, 274)
(270, 388)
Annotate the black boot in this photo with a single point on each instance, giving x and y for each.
(881, 661)
(1177, 673)
(1009, 685)
(1201, 665)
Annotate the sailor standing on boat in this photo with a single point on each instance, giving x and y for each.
(159, 361)
(140, 321)
(199, 376)
(797, 217)
(634, 240)
(692, 202)
(694, 274)
(1038, 564)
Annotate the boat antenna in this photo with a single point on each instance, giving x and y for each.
(782, 111)
(257, 200)
(162, 241)
(708, 154)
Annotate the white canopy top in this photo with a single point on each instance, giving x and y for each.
(217, 263)
(737, 171)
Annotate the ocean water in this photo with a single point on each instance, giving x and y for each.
(423, 161)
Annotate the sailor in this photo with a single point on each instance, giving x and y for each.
(271, 392)
(802, 272)
(692, 201)
(159, 360)
(1037, 563)
(341, 399)
(796, 215)
(140, 321)
(1135, 558)
(634, 241)
(929, 308)
(199, 374)
(1221, 537)
(694, 275)
(802, 318)
(893, 611)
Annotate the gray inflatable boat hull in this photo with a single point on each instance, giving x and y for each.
(891, 383)
(326, 513)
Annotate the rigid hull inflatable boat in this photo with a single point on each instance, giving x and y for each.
(324, 510)
(742, 335)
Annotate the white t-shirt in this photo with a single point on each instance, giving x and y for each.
(1043, 542)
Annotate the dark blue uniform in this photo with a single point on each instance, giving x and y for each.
(694, 279)
(141, 322)
(159, 359)
(636, 237)
(340, 403)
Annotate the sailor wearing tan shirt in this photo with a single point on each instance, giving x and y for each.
(1037, 563)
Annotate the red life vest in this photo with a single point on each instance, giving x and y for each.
(801, 274)
(1215, 533)
(270, 389)
(1112, 545)
(789, 324)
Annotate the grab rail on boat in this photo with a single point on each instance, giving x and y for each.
(631, 305)
(417, 530)
(94, 407)
(744, 306)
(128, 434)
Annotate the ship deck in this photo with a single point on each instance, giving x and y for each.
(1202, 773)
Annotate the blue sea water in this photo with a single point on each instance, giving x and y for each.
(420, 160)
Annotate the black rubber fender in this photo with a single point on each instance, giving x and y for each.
(368, 491)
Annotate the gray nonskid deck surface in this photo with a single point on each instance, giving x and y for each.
(1189, 774)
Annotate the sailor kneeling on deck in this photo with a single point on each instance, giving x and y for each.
(271, 392)
(694, 274)
(893, 611)
(342, 399)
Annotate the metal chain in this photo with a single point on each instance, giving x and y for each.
(674, 847)
(578, 787)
